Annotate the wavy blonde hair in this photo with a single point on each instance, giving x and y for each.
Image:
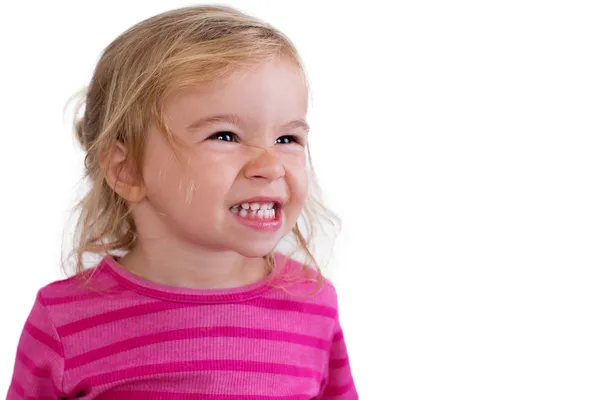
(180, 48)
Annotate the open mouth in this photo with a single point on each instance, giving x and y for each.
(257, 210)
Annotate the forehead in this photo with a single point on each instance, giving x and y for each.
(274, 91)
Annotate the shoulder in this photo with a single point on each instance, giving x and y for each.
(81, 296)
(93, 280)
(303, 282)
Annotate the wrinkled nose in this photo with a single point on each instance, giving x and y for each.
(266, 164)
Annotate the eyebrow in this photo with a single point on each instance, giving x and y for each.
(299, 123)
(237, 120)
(215, 119)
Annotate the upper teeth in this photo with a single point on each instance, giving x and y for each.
(260, 210)
(255, 206)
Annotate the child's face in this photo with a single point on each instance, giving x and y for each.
(247, 140)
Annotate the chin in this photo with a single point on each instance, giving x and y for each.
(254, 251)
(253, 247)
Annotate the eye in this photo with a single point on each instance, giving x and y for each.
(224, 136)
(287, 140)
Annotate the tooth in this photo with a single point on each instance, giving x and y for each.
(245, 206)
(243, 213)
(272, 213)
(254, 206)
(264, 206)
(235, 210)
(271, 205)
(261, 213)
(252, 214)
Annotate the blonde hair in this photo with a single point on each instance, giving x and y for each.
(179, 48)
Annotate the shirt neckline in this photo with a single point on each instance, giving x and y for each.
(188, 295)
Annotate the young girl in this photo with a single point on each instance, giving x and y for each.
(195, 137)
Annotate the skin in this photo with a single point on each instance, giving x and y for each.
(187, 235)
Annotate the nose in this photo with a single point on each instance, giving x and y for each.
(266, 164)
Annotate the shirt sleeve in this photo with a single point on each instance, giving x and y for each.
(339, 384)
(39, 360)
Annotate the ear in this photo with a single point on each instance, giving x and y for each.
(121, 175)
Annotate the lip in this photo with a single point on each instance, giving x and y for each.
(262, 225)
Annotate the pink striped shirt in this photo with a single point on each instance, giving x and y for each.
(120, 337)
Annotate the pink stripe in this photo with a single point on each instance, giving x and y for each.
(338, 336)
(202, 365)
(194, 333)
(339, 363)
(288, 305)
(184, 297)
(337, 390)
(40, 373)
(43, 337)
(84, 296)
(31, 367)
(117, 315)
(145, 395)
(15, 387)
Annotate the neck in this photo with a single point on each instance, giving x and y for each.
(166, 262)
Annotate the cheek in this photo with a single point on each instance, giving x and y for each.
(160, 172)
(298, 181)
(199, 182)
(213, 173)
(303, 183)
(209, 182)
(165, 185)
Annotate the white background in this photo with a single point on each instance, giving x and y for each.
(459, 142)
